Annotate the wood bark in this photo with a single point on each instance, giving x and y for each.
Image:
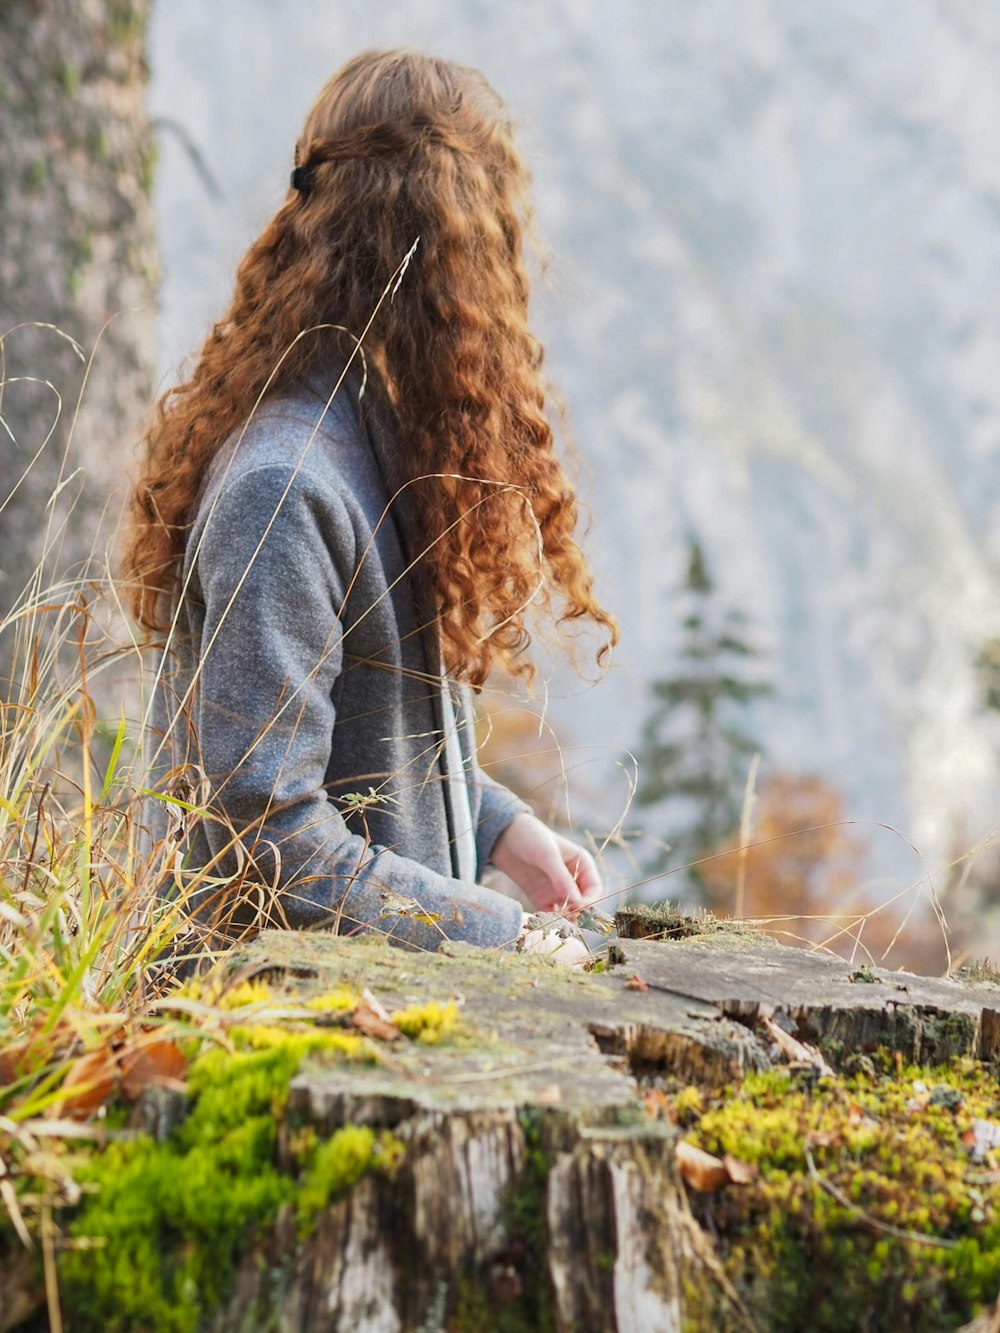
(78, 282)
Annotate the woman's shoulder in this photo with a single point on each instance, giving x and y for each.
(295, 432)
(283, 478)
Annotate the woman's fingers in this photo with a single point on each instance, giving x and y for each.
(564, 893)
(554, 873)
(583, 869)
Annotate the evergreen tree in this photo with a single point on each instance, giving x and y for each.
(697, 747)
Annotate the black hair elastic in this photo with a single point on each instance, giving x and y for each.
(300, 180)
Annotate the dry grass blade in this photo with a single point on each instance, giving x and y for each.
(876, 1224)
(9, 1197)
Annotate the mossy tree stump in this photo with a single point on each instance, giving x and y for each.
(530, 1177)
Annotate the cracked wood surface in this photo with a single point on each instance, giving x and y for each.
(550, 1035)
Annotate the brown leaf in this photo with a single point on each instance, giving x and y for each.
(635, 983)
(858, 1118)
(740, 1173)
(13, 1064)
(368, 997)
(149, 1060)
(368, 1020)
(795, 1051)
(701, 1170)
(821, 1138)
(91, 1080)
(657, 1103)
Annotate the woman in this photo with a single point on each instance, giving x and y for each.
(342, 519)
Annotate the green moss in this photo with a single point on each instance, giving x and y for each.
(675, 921)
(864, 975)
(126, 21)
(38, 173)
(944, 1034)
(166, 1223)
(979, 970)
(69, 77)
(429, 1023)
(149, 156)
(339, 1163)
(894, 1148)
(334, 1001)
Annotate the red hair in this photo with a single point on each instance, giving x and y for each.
(397, 146)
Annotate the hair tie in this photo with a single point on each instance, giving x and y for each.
(300, 180)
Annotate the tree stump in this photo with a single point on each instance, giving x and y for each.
(534, 1185)
(534, 1180)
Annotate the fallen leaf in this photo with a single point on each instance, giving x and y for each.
(656, 1103)
(368, 1020)
(148, 1061)
(740, 1173)
(12, 1062)
(821, 1138)
(794, 1050)
(635, 983)
(857, 1117)
(91, 1080)
(701, 1170)
(368, 997)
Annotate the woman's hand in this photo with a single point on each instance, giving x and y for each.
(554, 874)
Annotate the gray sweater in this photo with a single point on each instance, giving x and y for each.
(302, 687)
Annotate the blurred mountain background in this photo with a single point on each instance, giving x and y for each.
(772, 306)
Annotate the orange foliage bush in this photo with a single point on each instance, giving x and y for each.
(803, 877)
(523, 757)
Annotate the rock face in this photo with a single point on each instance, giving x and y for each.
(535, 1190)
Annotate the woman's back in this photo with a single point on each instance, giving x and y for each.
(302, 621)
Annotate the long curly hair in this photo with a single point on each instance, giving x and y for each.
(398, 146)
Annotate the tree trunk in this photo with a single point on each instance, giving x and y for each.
(77, 288)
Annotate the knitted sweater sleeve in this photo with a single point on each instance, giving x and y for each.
(275, 558)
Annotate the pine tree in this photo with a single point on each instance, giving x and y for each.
(697, 747)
